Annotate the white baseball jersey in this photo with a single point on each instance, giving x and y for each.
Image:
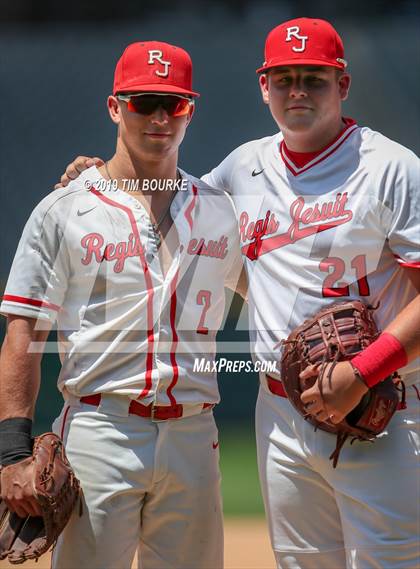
(89, 259)
(342, 226)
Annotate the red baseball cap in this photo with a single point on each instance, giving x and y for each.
(303, 41)
(154, 66)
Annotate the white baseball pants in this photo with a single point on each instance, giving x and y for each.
(151, 486)
(364, 514)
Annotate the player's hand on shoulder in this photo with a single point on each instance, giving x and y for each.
(75, 168)
(340, 395)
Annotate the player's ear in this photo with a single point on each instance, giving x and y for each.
(263, 81)
(344, 82)
(114, 109)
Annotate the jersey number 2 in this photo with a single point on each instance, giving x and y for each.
(339, 267)
(203, 299)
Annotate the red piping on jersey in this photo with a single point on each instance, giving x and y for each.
(63, 423)
(333, 146)
(150, 292)
(174, 363)
(188, 217)
(191, 207)
(412, 264)
(31, 301)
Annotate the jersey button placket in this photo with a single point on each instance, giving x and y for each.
(153, 265)
(158, 303)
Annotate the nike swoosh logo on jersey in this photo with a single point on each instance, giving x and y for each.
(255, 173)
(80, 213)
(215, 445)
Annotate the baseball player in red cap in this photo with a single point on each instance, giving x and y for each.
(337, 208)
(135, 281)
(328, 211)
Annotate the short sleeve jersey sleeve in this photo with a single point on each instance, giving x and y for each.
(38, 278)
(402, 197)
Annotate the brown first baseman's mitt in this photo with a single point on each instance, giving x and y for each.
(334, 334)
(56, 490)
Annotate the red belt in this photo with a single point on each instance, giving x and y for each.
(275, 386)
(158, 412)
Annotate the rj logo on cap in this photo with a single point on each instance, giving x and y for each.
(293, 32)
(155, 55)
(303, 41)
(154, 67)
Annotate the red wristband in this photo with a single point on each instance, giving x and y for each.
(379, 360)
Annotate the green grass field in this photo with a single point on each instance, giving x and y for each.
(238, 462)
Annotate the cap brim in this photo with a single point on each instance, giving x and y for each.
(156, 88)
(287, 62)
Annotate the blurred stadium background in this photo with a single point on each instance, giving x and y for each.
(57, 62)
